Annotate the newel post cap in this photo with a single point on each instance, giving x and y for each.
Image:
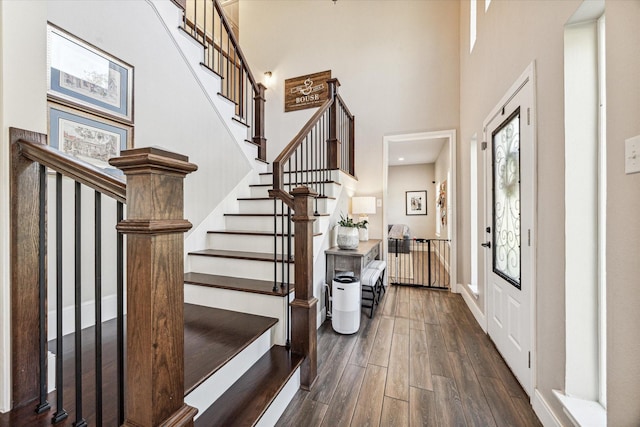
(152, 159)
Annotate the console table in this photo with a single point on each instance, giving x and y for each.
(355, 260)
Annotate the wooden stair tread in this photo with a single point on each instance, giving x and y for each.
(264, 287)
(271, 198)
(288, 172)
(251, 233)
(248, 398)
(298, 183)
(264, 215)
(254, 256)
(213, 336)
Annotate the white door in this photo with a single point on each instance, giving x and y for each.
(509, 197)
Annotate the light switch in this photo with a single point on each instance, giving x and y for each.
(379, 203)
(632, 155)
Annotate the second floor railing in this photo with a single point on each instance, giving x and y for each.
(206, 22)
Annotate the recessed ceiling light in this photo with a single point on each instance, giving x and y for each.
(400, 159)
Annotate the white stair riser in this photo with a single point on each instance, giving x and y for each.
(280, 403)
(330, 189)
(265, 223)
(245, 302)
(250, 243)
(260, 270)
(326, 176)
(266, 206)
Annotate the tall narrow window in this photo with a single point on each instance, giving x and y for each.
(473, 183)
(585, 209)
(472, 23)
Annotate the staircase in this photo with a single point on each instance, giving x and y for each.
(241, 366)
(236, 272)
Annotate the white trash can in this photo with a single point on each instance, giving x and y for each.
(345, 297)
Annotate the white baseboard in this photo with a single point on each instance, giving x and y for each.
(109, 311)
(543, 411)
(472, 303)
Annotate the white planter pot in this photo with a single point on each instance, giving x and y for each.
(348, 238)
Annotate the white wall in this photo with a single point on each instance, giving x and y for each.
(412, 178)
(23, 106)
(397, 62)
(623, 205)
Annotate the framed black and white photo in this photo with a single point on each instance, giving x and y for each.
(88, 138)
(416, 202)
(81, 75)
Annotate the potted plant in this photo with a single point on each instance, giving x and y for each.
(348, 237)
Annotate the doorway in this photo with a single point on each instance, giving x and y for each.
(404, 206)
(509, 218)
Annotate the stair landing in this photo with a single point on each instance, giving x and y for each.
(212, 338)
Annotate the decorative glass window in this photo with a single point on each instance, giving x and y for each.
(506, 200)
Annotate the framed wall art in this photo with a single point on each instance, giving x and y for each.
(84, 76)
(416, 203)
(88, 138)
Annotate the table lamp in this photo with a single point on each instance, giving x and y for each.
(363, 206)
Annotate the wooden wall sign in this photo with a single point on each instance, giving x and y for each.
(306, 91)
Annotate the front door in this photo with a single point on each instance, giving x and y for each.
(509, 196)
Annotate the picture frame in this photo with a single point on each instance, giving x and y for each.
(416, 202)
(87, 137)
(81, 75)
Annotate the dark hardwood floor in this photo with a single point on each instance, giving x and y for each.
(422, 360)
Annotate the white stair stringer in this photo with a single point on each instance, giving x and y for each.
(213, 387)
(193, 53)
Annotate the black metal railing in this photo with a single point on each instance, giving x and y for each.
(70, 340)
(206, 22)
(419, 262)
(83, 352)
(324, 145)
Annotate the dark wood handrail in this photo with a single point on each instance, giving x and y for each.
(235, 43)
(344, 105)
(78, 170)
(295, 143)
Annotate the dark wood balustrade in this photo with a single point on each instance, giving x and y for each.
(154, 391)
(301, 171)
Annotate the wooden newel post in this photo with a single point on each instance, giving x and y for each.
(155, 287)
(303, 307)
(258, 132)
(333, 147)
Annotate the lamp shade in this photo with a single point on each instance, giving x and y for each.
(363, 205)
